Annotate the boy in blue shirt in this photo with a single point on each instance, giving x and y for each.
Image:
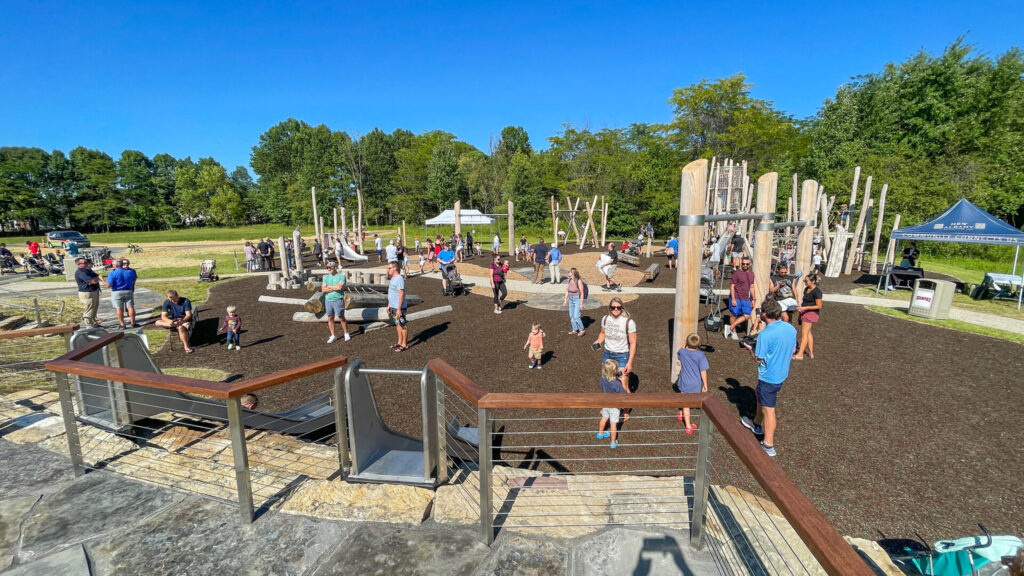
(774, 352)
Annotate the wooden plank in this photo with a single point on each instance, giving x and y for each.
(805, 240)
(148, 379)
(280, 300)
(284, 376)
(652, 272)
(629, 259)
(65, 329)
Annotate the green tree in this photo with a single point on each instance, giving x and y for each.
(98, 204)
(136, 181)
(443, 176)
(523, 187)
(22, 180)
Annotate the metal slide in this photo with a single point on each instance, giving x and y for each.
(348, 254)
(116, 405)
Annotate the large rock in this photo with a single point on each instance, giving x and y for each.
(339, 500)
(12, 513)
(34, 428)
(382, 549)
(29, 471)
(71, 561)
(639, 551)
(513, 554)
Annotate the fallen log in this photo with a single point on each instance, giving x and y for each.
(361, 315)
(315, 303)
(280, 300)
(373, 300)
(410, 317)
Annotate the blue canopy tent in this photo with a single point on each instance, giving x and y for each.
(965, 222)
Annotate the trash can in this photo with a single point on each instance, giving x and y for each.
(932, 299)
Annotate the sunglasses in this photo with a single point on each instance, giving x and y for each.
(616, 307)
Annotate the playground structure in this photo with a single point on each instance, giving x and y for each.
(570, 213)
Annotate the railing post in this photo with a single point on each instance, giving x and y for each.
(241, 458)
(428, 401)
(441, 457)
(486, 520)
(39, 316)
(341, 421)
(701, 482)
(67, 410)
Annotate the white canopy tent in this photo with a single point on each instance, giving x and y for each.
(468, 217)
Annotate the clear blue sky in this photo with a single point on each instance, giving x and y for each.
(206, 79)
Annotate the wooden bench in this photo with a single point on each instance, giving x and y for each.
(652, 272)
(629, 259)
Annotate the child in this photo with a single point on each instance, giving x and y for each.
(693, 375)
(611, 383)
(232, 323)
(416, 243)
(423, 260)
(535, 342)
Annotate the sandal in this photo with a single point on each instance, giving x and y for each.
(399, 348)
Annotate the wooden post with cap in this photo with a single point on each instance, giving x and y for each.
(692, 209)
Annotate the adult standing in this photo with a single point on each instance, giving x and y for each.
(270, 253)
(391, 252)
(378, 245)
(333, 287)
(554, 259)
(650, 231)
(498, 269)
(540, 257)
(809, 312)
(88, 291)
(446, 258)
(672, 251)
(737, 249)
(716, 254)
(250, 256)
(469, 244)
(909, 256)
(773, 352)
(176, 314)
(33, 248)
(263, 249)
(121, 282)
(741, 292)
(339, 249)
(318, 251)
(496, 243)
(618, 334)
(608, 264)
(397, 305)
(575, 292)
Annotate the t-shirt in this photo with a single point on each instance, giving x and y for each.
(72, 248)
(83, 276)
(673, 244)
(810, 296)
(232, 322)
(742, 280)
(716, 252)
(249, 252)
(540, 252)
(691, 363)
(614, 256)
(397, 283)
(446, 256)
(556, 255)
(613, 386)
(785, 287)
(378, 243)
(496, 273)
(775, 345)
(737, 244)
(122, 279)
(175, 311)
(334, 280)
(616, 333)
(536, 340)
(496, 242)
(33, 248)
(392, 253)
(263, 247)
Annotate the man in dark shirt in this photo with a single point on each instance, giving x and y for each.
(4, 252)
(176, 314)
(88, 292)
(264, 251)
(737, 250)
(608, 264)
(741, 294)
(540, 257)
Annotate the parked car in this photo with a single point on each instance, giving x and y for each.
(58, 237)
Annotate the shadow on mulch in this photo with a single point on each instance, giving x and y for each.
(894, 427)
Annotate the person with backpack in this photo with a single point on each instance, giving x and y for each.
(498, 270)
(618, 335)
(576, 292)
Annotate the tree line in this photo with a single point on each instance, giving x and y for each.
(935, 127)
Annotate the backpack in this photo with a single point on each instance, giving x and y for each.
(585, 289)
(785, 291)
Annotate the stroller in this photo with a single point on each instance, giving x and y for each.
(54, 263)
(453, 280)
(966, 556)
(208, 271)
(36, 269)
(8, 265)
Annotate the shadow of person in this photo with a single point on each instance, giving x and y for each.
(205, 332)
(743, 397)
(547, 356)
(429, 333)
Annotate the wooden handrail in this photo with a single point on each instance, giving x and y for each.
(83, 351)
(557, 400)
(457, 380)
(261, 382)
(65, 329)
(822, 539)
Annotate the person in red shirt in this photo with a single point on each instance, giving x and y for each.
(33, 248)
(741, 294)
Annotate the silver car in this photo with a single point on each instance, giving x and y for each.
(58, 237)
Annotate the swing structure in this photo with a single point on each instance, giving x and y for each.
(573, 217)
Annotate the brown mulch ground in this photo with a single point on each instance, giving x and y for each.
(895, 429)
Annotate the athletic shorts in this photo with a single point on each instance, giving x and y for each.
(535, 354)
(122, 299)
(809, 316)
(335, 308)
(788, 304)
(737, 254)
(609, 271)
(742, 307)
(612, 414)
(767, 393)
(399, 317)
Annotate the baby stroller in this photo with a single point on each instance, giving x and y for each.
(208, 271)
(7, 265)
(55, 265)
(453, 280)
(966, 556)
(36, 269)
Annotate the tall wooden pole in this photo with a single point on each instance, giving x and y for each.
(767, 197)
(878, 229)
(687, 301)
(405, 237)
(316, 215)
(863, 243)
(805, 241)
(558, 210)
(359, 219)
(297, 251)
(604, 219)
(826, 240)
(344, 226)
(554, 221)
(853, 190)
(458, 217)
(848, 268)
(511, 226)
(335, 224)
(890, 250)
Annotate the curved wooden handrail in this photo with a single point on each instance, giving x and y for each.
(71, 363)
(821, 537)
(457, 380)
(65, 329)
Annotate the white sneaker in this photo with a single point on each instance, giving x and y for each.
(726, 330)
(237, 348)
(733, 335)
(332, 339)
(231, 346)
(347, 337)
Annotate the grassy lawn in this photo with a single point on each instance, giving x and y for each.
(951, 324)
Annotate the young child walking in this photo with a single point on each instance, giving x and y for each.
(693, 375)
(611, 383)
(535, 342)
(232, 323)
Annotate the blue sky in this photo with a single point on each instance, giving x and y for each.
(206, 78)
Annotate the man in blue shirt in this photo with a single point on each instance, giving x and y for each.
(554, 259)
(447, 259)
(774, 352)
(672, 251)
(88, 291)
(397, 304)
(176, 314)
(121, 282)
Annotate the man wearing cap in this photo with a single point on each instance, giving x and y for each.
(121, 282)
(554, 259)
(88, 291)
(333, 288)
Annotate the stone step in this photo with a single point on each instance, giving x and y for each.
(12, 322)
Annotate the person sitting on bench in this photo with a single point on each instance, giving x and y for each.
(176, 314)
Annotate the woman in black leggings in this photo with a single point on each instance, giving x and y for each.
(498, 269)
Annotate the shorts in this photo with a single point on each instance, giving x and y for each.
(742, 308)
(399, 317)
(335, 308)
(122, 299)
(535, 353)
(737, 254)
(767, 393)
(787, 304)
(612, 414)
(609, 270)
(809, 316)
(620, 357)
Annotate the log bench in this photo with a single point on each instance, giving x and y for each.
(652, 272)
(629, 259)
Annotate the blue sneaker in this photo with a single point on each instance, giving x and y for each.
(615, 445)
(603, 435)
(769, 450)
(749, 425)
